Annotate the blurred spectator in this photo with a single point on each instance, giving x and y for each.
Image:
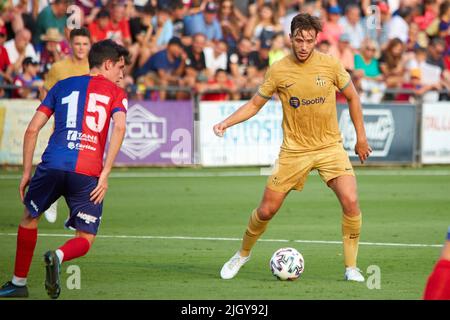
(344, 52)
(367, 75)
(351, 24)
(431, 12)
(324, 46)
(204, 22)
(263, 26)
(6, 68)
(20, 16)
(26, 79)
(392, 64)
(54, 49)
(163, 27)
(277, 50)
(99, 28)
(74, 65)
(221, 83)
(216, 57)
(399, 25)
(238, 61)
(230, 23)
(53, 16)
(90, 9)
(418, 89)
(167, 64)
(142, 30)
(179, 11)
(436, 51)
(444, 21)
(119, 28)
(19, 48)
(416, 38)
(332, 30)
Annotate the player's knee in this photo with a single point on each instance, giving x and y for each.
(28, 221)
(350, 203)
(266, 212)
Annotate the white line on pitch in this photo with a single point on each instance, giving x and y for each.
(261, 172)
(236, 239)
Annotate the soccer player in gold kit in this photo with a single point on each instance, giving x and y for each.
(306, 83)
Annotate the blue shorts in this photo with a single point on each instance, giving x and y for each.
(47, 185)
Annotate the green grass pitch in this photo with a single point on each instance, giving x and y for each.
(138, 255)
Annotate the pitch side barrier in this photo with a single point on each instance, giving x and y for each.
(179, 132)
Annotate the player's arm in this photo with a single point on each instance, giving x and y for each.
(117, 136)
(29, 144)
(362, 148)
(245, 112)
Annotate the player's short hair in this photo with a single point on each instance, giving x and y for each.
(107, 50)
(305, 21)
(82, 32)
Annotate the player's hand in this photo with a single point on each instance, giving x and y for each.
(24, 182)
(99, 192)
(363, 150)
(219, 129)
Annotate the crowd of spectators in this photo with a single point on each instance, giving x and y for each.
(221, 49)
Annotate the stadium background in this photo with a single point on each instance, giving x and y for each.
(167, 230)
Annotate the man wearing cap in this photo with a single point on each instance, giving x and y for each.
(204, 22)
(53, 50)
(331, 28)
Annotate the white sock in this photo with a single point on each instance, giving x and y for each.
(18, 281)
(60, 255)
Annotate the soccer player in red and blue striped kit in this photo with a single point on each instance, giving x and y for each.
(72, 165)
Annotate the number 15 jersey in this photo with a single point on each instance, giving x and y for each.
(83, 107)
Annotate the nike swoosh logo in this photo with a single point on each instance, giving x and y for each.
(289, 85)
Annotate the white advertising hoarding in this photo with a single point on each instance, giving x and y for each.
(436, 133)
(256, 141)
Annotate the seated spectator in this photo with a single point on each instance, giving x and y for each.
(238, 61)
(332, 30)
(19, 48)
(418, 89)
(399, 25)
(53, 16)
(54, 49)
(28, 78)
(178, 12)
(6, 68)
(230, 22)
(261, 28)
(444, 21)
(351, 24)
(324, 46)
(204, 22)
(367, 75)
(142, 33)
(344, 52)
(168, 64)
(119, 28)
(216, 57)
(277, 50)
(221, 83)
(163, 27)
(99, 28)
(392, 64)
(436, 51)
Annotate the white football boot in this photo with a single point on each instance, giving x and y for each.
(52, 213)
(232, 266)
(353, 274)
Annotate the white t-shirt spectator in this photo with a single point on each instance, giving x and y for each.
(214, 63)
(356, 32)
(398, 28)
(13, 54)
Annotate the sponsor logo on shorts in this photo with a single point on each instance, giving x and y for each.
(35, 207)
(87, 217)
(74, 135)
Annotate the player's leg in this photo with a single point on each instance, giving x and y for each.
(42, 191)
(346, 191)
(260, 217)
(85, 218)
(438, 284)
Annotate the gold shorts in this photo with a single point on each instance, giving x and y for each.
(292, 168)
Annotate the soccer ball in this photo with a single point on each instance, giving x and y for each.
(287, 264)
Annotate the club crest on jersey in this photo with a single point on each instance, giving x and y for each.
(320, 82)
(294, 102)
